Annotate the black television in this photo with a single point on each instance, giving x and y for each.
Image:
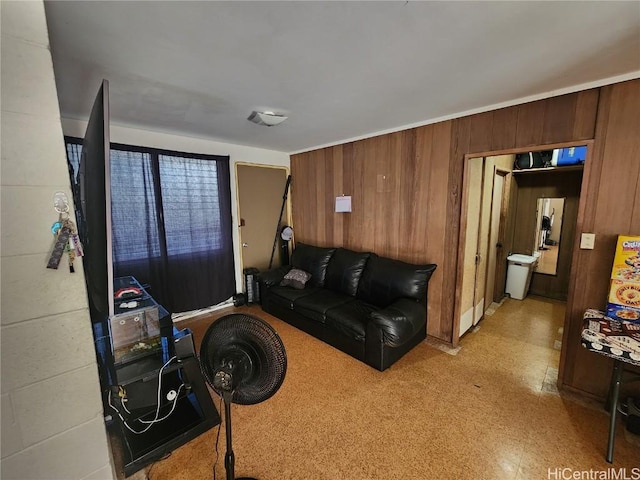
(92, 197)
(193, 412)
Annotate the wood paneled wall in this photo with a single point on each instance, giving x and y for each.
(398, 190)
(406, 192)
(530, 187)
(609, 206)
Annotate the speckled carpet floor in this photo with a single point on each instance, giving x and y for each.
(489, 412)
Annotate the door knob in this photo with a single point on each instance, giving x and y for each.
(245, 244)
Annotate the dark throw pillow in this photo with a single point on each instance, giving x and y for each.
(296, 278)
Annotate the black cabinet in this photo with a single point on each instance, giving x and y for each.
(155, 398)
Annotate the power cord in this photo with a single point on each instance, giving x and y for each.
(164, 457)
(157, 418)
(217, 441)
(173, 407)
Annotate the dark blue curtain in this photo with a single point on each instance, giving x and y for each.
(171, 215)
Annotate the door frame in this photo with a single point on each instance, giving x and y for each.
(289, 217)
(588, 165)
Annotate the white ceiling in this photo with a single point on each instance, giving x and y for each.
(340, 70)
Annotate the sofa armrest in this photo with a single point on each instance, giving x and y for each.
(274, 276)
(399, 322)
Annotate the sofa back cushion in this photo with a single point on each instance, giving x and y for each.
(313, 260)
(344, 271)
(385, 280)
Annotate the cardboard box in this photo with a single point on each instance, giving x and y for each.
(623, 313)
(610, 332)
(624, 291)
(626, 294)
(626, 263)
(572, 155)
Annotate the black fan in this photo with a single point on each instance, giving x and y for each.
(244, 361)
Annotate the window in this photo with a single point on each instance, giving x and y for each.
(134, 215)
(171, 218)
(192, 211)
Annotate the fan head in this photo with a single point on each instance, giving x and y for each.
(243, 354)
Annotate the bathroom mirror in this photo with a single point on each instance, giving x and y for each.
(549, 212)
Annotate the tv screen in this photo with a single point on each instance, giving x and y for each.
(93, 208)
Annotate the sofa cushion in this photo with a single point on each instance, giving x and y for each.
(273, 276)
(399, 322)
(315, 306)
(287, 296)
(344, 271)
(295, 278)
(385, 280)
(313, 260)
(350, 319)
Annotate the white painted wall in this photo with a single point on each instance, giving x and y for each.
(52, 420)
(237, 153)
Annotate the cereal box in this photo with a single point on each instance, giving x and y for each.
(624, 301)
(622, 313)
(624, 293)
(626, 263)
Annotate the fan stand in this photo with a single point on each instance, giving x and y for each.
(229, 457)
(244, 361)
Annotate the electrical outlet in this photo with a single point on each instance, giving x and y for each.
(587, 241)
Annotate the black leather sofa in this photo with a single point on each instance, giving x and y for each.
(370, 307)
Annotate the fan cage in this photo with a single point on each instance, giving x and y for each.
(237, 335)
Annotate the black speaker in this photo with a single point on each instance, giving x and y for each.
(251, 285)
(184, 346)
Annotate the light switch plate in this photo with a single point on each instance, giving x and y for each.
(587, 241)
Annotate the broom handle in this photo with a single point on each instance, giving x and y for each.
(284, 202)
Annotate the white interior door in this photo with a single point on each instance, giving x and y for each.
(474, 193)
(481, 301)
(494, 234)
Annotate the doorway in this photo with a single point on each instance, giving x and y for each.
(487, 181)
(517, 229)
(260, 200)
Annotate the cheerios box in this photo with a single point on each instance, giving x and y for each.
(626, 263)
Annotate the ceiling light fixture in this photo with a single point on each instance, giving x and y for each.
(269, 119)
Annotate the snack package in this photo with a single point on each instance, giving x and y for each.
(606, 331)
(626, 263)
(620, 312)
